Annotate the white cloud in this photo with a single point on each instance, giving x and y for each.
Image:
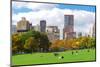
(83, 20)
(56, 17)
(33, 6)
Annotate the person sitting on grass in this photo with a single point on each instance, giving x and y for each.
(61, 57)
(72, 52)
(56, 54)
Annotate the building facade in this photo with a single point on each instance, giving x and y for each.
(36, 28)
(53, 33)
(42, 25)
(94, 30)
(23, 25)
(80, 34)
(68, 31)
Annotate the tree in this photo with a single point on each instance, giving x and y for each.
(75, 44)
(31, 44)
(93, 42)
(44, 42)
(25, 36)
(16, 43)
(87, 42)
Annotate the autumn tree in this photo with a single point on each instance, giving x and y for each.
(31, 44)
(16, 43)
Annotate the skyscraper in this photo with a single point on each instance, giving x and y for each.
(69, 20)
(80, 34)
(93, 30)
(43, 26)
(53, 33)
(23, 25)
(68, 31)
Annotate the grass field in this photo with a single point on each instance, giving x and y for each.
(46, 58)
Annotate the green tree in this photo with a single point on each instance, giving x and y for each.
(44, 42)
(30, 41)
(87, 42)
(31, 44)
(92, 42)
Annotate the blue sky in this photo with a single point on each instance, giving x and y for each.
(78, 7)
(60, 6)
(20, 10)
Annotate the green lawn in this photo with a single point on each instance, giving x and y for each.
(45, 58)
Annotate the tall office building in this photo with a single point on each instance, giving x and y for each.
(53, 33)
(23, 25)
(43, 26)
(68, 31)
(94, 30)
(80, 34)
(30, 26)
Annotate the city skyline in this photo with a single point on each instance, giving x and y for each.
(54, 14)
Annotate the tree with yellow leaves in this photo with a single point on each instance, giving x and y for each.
(31, 44)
